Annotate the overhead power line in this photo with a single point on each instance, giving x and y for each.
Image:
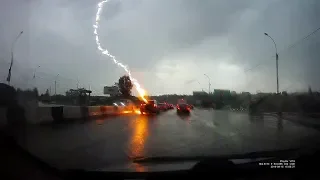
(288, 48)
(301, 40)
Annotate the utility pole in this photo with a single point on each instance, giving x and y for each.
(77, 83)
(34, 73)
(209, 82)
(50, 93)
(55, 85)
(277, 58)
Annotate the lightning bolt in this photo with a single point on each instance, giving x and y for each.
(104, 51)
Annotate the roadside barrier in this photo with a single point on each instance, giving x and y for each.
(94, 111)
(59, 114)
(44, 114)
(73, 112)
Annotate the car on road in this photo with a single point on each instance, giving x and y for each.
(151, 107)
(163, 106)
(183, 108)
(167, 106)
(171, 106)
(128, 105)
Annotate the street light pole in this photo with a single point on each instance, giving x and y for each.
(34, 73)
(277, 58)
(77, 83)
(55, 85)
(12, 48)
(209, 82)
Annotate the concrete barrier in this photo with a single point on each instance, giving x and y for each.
(94, 111)
(30, 108)
(65, 113)
(72, 112)
(84, 112)
(57, 113)
(104, 110)
(117, 110)
(110, 110)
(44, 115)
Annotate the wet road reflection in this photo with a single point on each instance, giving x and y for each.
(139, 136)
(280, 123)
(185, 117)
(99, 121)
(259, 120)
(203, 132)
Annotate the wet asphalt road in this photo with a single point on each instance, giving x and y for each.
(102, 142)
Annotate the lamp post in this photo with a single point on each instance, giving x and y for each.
(34, 73)
(55, 85)
(277, 58)
(209, 82)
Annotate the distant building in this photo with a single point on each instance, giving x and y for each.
(261, 94)
(246, 93)
(233, 93)
(245, 96)
(111, 90)
(79, 96)
(199, 97)
(199, 93)
(78, 92)
(222, 92)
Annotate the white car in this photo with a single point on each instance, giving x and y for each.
(126, 103)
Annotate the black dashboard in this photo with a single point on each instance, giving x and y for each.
(300, 168)
(19, 164)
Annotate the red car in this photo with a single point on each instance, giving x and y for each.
(183, 108)
(163, 106)
(151, 107)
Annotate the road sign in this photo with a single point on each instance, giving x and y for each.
(111, 90)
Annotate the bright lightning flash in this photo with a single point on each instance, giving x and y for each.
(141, 91)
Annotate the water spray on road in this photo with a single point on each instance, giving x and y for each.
(141, 91)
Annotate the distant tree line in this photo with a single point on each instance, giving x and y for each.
(302, 103)
(28, 92)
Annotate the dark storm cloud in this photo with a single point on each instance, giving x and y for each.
(168, 26)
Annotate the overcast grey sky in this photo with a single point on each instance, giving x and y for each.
(168, 44)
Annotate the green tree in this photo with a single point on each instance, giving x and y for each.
(125, 86)
(35, 92)
(47, 94)
(309, 90)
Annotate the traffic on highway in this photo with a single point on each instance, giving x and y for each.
(140, 89)
(153, 107)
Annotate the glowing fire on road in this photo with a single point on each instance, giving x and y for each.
(136, 111)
